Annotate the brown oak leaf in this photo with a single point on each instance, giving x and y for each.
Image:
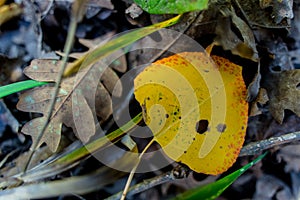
(79, 97)
(284, 93)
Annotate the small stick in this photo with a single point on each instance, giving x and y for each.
(255, 148)
(134, 169)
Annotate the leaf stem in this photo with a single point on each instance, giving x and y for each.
(134, 170)
(255, 148)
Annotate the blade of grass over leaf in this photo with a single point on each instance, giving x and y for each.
(97, 144)
(213, 190)
(62, 112)
(78, 10)
(69, 160)
(19, 86)
(115, 44)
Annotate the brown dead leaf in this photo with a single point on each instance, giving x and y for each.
(230, 41)
(284, 93)
(291, 155)
(269, 187)
(74, 99)
(257, 13)
(281, 9)
(262, 99)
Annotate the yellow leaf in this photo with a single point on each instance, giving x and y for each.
(8, 12)
(195, 106)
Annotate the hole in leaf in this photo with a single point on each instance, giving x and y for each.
(221, 128)
(201, 126)
(276, 68)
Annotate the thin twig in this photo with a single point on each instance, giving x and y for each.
(178, 172)
(134, 170)
(77, 10)
(145, 185)
(255, 148)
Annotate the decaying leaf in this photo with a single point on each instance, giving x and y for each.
(284, 93)
(290, 154)
(281, 9)
(195, 109)
(37, 100)
(278, 17)
(269, 187)
(262, 98)
(230, 41)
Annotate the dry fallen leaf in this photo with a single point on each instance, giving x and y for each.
(277, 17)
(262, 99)
(37, 100)
(291, 155)
(230, 41)
(195, 109)
(281, 9)
(269, 187)
(284, 93)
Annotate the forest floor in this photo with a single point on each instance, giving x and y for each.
(261, 36)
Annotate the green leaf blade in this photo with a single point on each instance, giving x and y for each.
(215, 189)
(19, 86)
(171, 7)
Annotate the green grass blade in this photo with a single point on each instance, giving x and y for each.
(93, 146)
(19, 86)
(213, 190)
(115, 44)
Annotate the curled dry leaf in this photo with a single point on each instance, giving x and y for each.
(281, 9)
(230, 41)
(66, 109)
(276, 189)
(196, 110)
(290, 154)
(263, 17)
(284, 93)
(262, 99)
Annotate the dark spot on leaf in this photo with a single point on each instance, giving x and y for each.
(201, 126)
(298, 86)
(148, 98)
(167, 115)
(276, 68)
(184, 152)
(221, 128)
(179, 117)
(175, 113)
(243, 127)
